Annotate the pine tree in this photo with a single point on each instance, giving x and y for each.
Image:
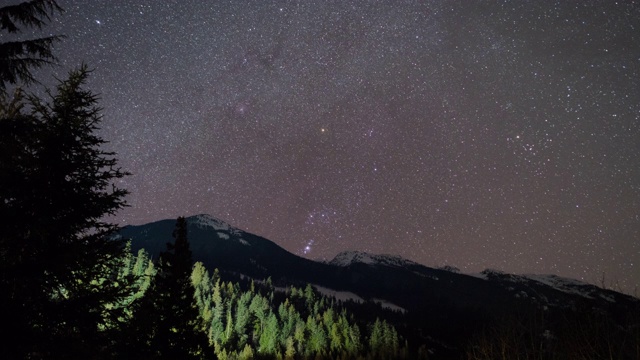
(216, 327)
(203, 293)
(317, 337)
(269, 337)
(242, 319)
(290, 350)
(18, 58)
(246, 353)
(390, 336)
(299, 335)
(228, 327)
(288, 318)
(259, 308)
(376, 340)
(58, 261)
(168, 321)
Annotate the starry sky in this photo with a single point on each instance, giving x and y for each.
(478, 134)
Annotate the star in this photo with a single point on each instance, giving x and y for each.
(359, 126)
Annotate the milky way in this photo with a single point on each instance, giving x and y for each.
(478, 134)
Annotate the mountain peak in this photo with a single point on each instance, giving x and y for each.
(208, 221)
(347, 258)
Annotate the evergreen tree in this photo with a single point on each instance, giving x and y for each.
(290, 350)
(317, 337)
(288, 319)
(269, 337)
(299, 335)
(242, 319)
(17, 58)
(216, 328)
(58, 262)
(203, 293)
(376, 339)
(168, 323)
(390, 336)
(228, 328)
(246, 353)
(259, 308)
(353, 343)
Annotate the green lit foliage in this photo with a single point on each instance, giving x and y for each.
(142, 270)
(265, 323)
(242, 319)
(257, 322)
(383, 341)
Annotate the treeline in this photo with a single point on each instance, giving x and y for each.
(241, 321)
(69, 289)
(57, 187)
(584, 333)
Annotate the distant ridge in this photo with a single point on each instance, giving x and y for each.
(439, 303)
(347, 258)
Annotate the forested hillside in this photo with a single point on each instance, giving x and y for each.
(249, 318)
(72, 288)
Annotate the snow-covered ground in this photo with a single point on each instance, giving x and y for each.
(346, 295)
(339, 295)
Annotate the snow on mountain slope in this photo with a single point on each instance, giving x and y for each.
(391, 306)
(339, 295)
(536, 281)
(208, 221)
(223, 230)
(347, 295)
(570, 286)
(347, 258)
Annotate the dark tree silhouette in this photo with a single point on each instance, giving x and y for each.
(168, 324)
(18, 58)
(56, 254)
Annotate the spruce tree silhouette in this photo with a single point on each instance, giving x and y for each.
(167, 322)
(18, 58)
(57, 257)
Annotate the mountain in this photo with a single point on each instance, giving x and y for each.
(347, 258)
(441, 306)
(218, 245)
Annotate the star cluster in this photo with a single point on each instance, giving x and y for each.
(500, 134)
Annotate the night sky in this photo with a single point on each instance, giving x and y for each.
(478, 134)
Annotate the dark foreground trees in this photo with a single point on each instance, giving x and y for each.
(18, 58)
(56, 255)
(167, 323)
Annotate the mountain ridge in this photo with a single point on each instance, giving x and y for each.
(213, 242)
(439, 303)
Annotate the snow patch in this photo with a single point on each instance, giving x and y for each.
(339, 295)
(566, 285)
(223, 230)
(390, 306)
(347, 258)
(347, 295)
(208, 221)
(479, 276)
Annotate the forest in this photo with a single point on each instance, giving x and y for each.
(240, 320)
(70, 288)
